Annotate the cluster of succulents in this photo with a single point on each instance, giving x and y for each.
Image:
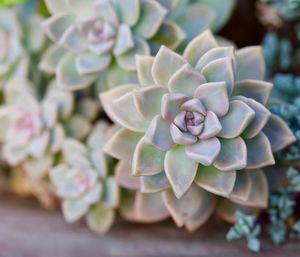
(178, 122)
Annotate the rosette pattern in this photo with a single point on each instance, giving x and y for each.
(196, 122)
(100, 33)
(83, 183)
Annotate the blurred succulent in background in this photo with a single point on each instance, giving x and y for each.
(18, 39)
(195, 121)
(97, 40)
(83, 182)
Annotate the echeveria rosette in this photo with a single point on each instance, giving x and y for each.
(17, 46)
(83, 183)
(98, 36)
(198, 127)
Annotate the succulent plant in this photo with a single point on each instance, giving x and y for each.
(83, 182)
(16, 46)
(196, 123)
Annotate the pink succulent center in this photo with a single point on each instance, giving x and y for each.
(83, 180)
(97, 32)
(24, 123)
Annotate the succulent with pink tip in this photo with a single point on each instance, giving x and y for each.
(196, 126)
(83, 183)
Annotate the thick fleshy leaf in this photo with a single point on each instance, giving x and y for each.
(187, 19)
(121, 107)
(150, 208)
(184, 208)
(259, 190)
(77, 127)
(49, 113)
(99, 219)
(185, 81)
(262, 115)
(129, 11)
(236, 120)
(199, 46)
(194, 105)
(73, 210)
(209, 92)
(166, 63)
(250, 63)
(51, 58)
(107, 12)
(148, 100)
(69, 78)
(242, 186)
(169, 4)
(110, 193)
(38, 145)
(256, 89)
(180, 170)
(124, 176)
(215, 181)
(220, 70)
(82, 8)
(109, 96)
(170, 35)
(144, 69)
(158, 134)
(36, 169)
(89, 63)
(212, 126)
(259, 152)
(127, 60)
(204, 151)
(181, 138)
(233, 155)
(204, 212)
(122, 144)
(55, 6)
(171, 104)
(56, 25)
(73, 40)
(57, 138)
(278, 133)
(214, 54)
(147, 160)
(152, 16)
(124, 40)
(226, 210)
(155, 183)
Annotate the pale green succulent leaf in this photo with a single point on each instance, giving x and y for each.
(93, 195)
(68, 76)
(236, 120)
(209, 92)
(256, 89)
(74, 209)
(158, 134)
(185, 81)
(56, 25)
(181, 138)
(199, 46)
(204, 151)
(127, 61)
(77, 127)
(152, 16)
(107, 12)
(169, 35)
(259, 152)
(123, 175)
(170, 105)
(220, 70)
(242, 186)
(212, 126)
(148, 100)
(58, 174)
(147, 160)
(155, 183)
(144, 67)
(122, 144)
(84, 8)
(233, 155)
(150, 208)
(165, 64)
(38, 145)
(278, 133)
(49, 113)
(129, 11)
(110, 193)
(57, 137)
(215, 54)
(55, 6)
(38, 168)
(74, 40)
(124, 41)
(250, 63)
(100, 218)
(215, 181)
(51, 58)
(184, 208)
(180, 170)
(89, 63)
(204, 212)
